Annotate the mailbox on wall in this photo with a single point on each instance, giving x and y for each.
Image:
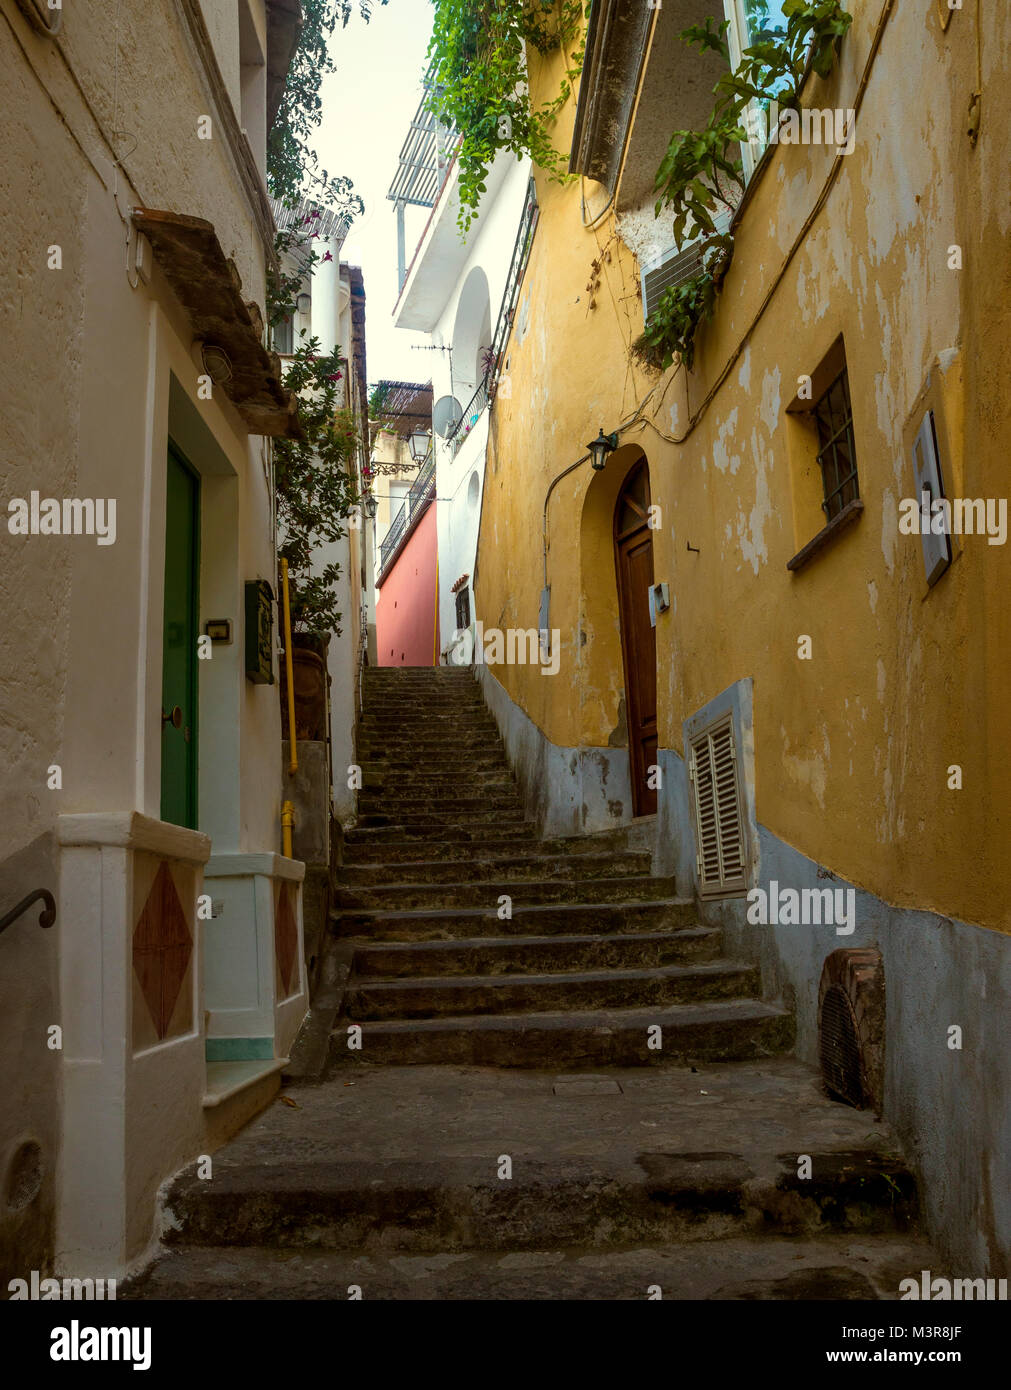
(259, 632)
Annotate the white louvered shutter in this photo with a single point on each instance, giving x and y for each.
(719, 822)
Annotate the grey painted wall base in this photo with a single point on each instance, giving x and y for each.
(949, 1107)
(568, 791)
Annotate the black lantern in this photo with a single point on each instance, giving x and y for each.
(419, 444)
(600, 447)
(371, 505)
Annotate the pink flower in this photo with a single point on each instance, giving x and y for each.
(328, 256)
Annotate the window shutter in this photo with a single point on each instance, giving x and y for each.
(672, 267)
(719, 821)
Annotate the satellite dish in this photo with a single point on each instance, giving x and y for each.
(446, 415)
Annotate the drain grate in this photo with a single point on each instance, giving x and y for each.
(840, 1050)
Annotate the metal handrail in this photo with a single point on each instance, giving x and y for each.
(471, 414)
(46, 917)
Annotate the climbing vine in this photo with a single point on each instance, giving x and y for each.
(700, 169)
(478, 53)
(315, 478)
(293, 168)
(316, 485)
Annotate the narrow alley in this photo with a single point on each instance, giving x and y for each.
(505, 681)
(614, 1110)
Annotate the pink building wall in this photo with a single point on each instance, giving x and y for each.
(407, 611)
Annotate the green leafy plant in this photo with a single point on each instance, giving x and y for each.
(293, 169)
(701, 171)
(316, 485)
(672, 326)
(478, 53)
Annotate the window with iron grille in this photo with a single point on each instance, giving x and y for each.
(719, 811)
(837, 458)
(463, 609)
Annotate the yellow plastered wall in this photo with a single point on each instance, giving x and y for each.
(852, 747)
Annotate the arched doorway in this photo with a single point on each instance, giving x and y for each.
(633, 560)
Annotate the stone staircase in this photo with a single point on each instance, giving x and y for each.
(465, 1150)
(476, 942)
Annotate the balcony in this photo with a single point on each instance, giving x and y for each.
(414, 505)
(472, 412)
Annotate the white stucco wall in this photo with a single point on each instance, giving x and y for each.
(91, 351)
(460, 479)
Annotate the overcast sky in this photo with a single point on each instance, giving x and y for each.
(367, 107)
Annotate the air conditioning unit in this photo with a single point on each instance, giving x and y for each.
(673, 267)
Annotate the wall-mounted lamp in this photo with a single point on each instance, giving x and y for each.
(371, 505)
(600, 447)
(303, 303)
(419, 444)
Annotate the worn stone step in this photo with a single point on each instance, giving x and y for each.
(409, 1205)
(451, 833)
(411, 804)
(479, 865)
(826, 1267)
(396, 851)
(451, 924)
(486, 895)
(442, 825)
(428, 748)
(447, 779)
(445, 717)
(519, 955)
(488, 760)
(614, 987)
(735, 1029)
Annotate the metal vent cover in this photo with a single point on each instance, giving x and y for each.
(672, 267)
(839, 1047)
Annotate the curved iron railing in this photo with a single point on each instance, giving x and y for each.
(46, 917)
(471, 414)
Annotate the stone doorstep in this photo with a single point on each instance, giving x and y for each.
(228, 1079)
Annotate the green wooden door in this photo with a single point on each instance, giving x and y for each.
(179, 645)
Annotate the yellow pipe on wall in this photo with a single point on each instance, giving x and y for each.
(287, 824)
(288, 666)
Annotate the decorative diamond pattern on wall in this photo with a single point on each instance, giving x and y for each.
(286, 934)
(162, 945)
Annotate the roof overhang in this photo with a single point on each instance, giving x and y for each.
(442, 252)
(639, 84)
(284, 29)
(616, 42)
(209, 289)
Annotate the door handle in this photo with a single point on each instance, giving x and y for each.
(175, 718)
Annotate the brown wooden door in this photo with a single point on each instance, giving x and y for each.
(633, 557)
